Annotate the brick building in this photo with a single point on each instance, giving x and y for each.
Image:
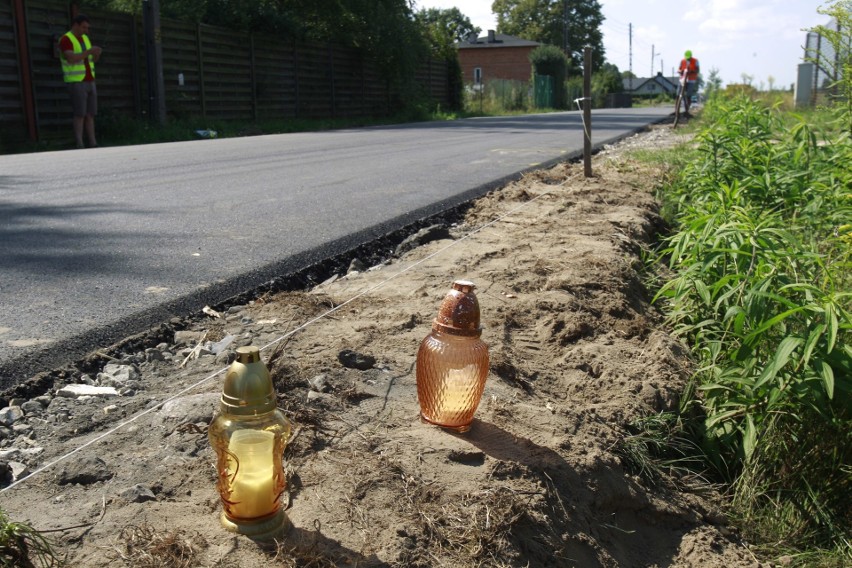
(496, 56)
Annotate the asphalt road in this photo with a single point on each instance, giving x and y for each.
(98, 244)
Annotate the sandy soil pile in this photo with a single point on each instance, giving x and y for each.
(577, 353)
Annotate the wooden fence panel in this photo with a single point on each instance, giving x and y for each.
(313, 74)
(276, 87)
(348, 69)
(208, 72)
(377, 92)
(12, 116)
(434, 81)
(180, 59)
(117, 71)
(47, 21)
(227, 73)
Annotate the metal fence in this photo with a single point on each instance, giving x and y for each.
(821, 70)
(208, 72)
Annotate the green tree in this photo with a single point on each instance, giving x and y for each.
(605, 80)
(570, 25)
(450, 23)
(714, 83)
(442, 29)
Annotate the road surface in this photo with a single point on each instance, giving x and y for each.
(99, 244)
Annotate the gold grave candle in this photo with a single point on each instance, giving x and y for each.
(249, 436)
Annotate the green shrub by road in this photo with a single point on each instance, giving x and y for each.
(762, 259)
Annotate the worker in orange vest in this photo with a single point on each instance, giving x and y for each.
(689, 69)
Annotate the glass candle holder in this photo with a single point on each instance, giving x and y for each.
(452, 362)
(249, 437)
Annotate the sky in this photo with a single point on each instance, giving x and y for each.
(759, 38)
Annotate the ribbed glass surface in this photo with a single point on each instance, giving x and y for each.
(250, 471)
(451, 373)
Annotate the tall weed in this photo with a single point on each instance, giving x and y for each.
(761, 292)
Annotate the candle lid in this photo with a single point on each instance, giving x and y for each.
(459, 312)
(248, 387)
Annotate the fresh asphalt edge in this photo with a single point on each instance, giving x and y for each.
(34, 373)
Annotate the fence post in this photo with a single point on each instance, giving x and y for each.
(254, 102)
(331, 81)
(817, 67)
(154, 57)
(199, 49)
(26, 72)
(587, 111)
(136, 71)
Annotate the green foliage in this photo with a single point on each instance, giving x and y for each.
(658, 448)
(544, 21)
(549, 60)
(763, 262)
(605, 80)
(442, 29)
(21, 546)
(713, 86)
(450, 24)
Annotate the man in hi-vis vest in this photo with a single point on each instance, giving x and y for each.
(78, 57)
(689, 70)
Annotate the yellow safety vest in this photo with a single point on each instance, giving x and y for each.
(76, 72)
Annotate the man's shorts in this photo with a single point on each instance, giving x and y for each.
(691, 88)
(84, 98)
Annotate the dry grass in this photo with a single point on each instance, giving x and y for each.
(473, 529)
(303, 557)
(145, 547)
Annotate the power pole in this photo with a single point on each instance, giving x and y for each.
(630, 27)
(154, 61)
(652, 59)
(565, 28)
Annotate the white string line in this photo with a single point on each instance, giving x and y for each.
(110, 432)
(401, 272)
(583, 115)
(283, 337)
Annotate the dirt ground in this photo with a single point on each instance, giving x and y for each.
(577, 352)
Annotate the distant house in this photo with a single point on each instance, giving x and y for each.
(650, 86)
(496, 56)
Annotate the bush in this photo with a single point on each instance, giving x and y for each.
(762, 294)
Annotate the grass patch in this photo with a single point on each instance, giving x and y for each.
(21, 546)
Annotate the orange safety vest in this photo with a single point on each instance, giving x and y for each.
(691, 67)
